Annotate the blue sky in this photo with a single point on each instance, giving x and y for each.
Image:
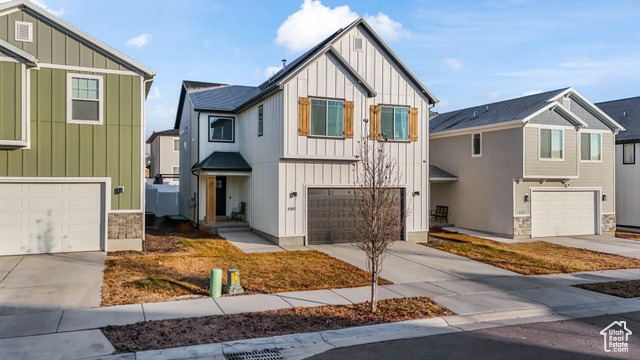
(466, 52)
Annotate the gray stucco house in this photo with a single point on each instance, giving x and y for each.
(165, 153)
(627, 113)
(535, 166)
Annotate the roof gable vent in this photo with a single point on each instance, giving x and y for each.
(24, 31)
(358, 44)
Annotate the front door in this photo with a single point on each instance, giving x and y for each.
(221, 196)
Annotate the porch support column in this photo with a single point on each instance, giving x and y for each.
(211, 200)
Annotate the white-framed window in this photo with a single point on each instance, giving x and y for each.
(175, 170)
(260, 121)
(551, 144)
(628, 154)
(327, 118)
(476, 145)
(590, 146)
(24, 31)
(176, 144)
(394, 123)
(84, 99)
(221, 129)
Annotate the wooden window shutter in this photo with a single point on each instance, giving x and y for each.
(348, 119)
(375, 122)
(304, 114)
(413, 124)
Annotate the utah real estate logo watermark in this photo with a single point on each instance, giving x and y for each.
(616, 337)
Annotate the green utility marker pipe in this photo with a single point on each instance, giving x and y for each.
(215, 283)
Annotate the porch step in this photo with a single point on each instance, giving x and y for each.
(233, 230)
(229, 226)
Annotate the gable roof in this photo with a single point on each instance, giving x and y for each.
(515, 111)
(27, 5)
(627, 113)
(171, 132)
(437, 174)
(28, 59)
(247, 96)
(223, 161)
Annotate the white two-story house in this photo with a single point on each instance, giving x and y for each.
(286, 147)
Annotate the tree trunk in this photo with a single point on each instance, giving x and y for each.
(374, 286)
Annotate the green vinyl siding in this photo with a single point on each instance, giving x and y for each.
(59, 149)
(11, 101)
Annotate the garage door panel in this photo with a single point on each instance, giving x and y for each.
(43, 218)
(561, 213)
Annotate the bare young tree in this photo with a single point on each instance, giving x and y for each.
(378, 218)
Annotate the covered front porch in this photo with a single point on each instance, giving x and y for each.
(223, 190)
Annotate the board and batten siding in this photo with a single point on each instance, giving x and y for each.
(51, 45)
(60, 149)
(591, 175)
(315, 164)
(11, 100)
(536, 167)
(627, 189)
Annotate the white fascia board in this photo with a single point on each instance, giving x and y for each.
(29, 59)
(484, 128)
(146, 72)
(442, 180)
(584, 101)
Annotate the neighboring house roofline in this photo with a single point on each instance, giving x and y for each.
(565, 113)
(597, 112)
(29, 59)
(145, 71)
(169, 133)
(627, 113)
(483, 128)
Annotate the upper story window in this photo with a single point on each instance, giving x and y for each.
(175, 170)
(551, 144)
(176, 144)
(260, 121)
(394, 123)
(628, 153)
(590, 147)
(476, 145)
(221, 129)
(84, 99)
(327, 117)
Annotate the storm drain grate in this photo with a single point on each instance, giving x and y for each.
(256, 355)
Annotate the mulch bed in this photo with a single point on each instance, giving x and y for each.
(625, 289)
(213, 329)
(628, 235)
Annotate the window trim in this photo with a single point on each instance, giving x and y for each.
(260, 120)
(633, 146)
(173, 168)
(326, 117)
(394, 122)
(233, 127)
(580, 148)
(174, 145)
(473, 148)
(540, 158)
(70, 120)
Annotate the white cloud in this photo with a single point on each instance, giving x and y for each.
(163, 112)
(453, 64)
(314, 22)
(579, 61)
(271, 70)
(532, 92)
(140, 41)
(154, 94)
(493, 95)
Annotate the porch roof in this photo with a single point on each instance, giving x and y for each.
(438, 175)
(223, 161)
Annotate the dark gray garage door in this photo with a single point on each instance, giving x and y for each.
(330, 216)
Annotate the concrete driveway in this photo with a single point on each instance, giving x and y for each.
(39, 283)
(600, 243)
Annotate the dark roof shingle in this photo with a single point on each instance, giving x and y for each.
(627, 113)
(225, 161)
(222, 98)
(437, 173)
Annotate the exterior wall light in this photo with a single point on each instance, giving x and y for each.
(293, 194)
(526, 197)
(416, 193)
(604, 197)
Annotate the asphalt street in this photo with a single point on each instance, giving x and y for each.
(569, 339)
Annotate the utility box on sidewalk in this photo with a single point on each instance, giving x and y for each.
(233, 282)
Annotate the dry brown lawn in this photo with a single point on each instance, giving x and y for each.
(625, 289)
(531, 258)
(212, 329)
(628, 235)
(178, 260)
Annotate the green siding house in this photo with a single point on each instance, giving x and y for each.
(71, 138)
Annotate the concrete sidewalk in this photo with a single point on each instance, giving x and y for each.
(478, 302)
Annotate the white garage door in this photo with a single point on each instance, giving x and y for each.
(561, 213)
(39, 218)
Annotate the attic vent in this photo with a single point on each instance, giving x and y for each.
(357, 44)
(566, 102)
(24, 31)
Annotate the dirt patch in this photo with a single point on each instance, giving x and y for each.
(213, 329)
(628, 235)
(625, 289)
(532, 258)
(178, 260)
